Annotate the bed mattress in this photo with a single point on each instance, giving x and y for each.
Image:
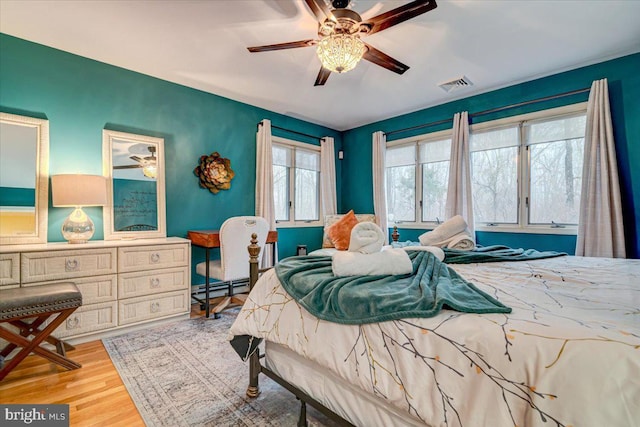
(351, 403)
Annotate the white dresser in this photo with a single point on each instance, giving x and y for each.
(125, 284)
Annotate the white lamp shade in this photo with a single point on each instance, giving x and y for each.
(79, 190)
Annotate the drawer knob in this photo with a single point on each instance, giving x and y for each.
(155, 257)
(155, 282)
(155, 307)
(73, 322)
(71, 265)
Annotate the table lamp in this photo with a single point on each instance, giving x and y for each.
(78, 191)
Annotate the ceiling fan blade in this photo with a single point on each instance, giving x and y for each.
(397, 15)
(280, 46)
(320, 10)
(323, 75)
(382, 59)
(127, 167)
(136, 158)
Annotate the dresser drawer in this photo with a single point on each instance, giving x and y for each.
(143, 308)
(93, 289)
(152, 257)
(152, 282)
(60, 265)
(9, 270)
(89, 318)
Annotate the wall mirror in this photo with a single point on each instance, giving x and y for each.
(134, 166)
(24, 179)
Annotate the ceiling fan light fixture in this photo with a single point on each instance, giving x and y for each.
(340, 52)
(150, 171)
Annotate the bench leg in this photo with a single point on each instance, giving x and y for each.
(34, 345)
(33, 328)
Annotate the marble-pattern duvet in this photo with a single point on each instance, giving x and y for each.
(567, 355)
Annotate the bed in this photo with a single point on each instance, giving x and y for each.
(567, 355)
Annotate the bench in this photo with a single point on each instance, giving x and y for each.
(39, 303)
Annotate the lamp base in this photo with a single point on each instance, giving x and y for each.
(78, 227)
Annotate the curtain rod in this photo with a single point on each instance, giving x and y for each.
(494, 110)
(294, 131)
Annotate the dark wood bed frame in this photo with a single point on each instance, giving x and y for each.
(256, 368)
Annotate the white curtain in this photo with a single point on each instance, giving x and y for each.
(600, 228)
(264, 183)
(459, 198)
(379, 182)
(328, 176)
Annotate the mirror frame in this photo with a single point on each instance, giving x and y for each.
(42, 179)
(108, 136)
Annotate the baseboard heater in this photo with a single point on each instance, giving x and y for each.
(218, 289)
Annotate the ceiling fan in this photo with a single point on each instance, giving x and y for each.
(148, 163)
(340, 29)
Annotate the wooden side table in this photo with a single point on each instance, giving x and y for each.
(209, 239)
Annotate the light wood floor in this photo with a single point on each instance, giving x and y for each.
(95, 393)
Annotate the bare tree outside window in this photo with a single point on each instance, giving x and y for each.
(556, 154)
(434, 157)
(401, 193)
(494, 175)
(526, 171)
(296, 183)
(281, 192)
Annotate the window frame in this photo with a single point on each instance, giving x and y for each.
(415, 141)
(293, 145)
(524, 167)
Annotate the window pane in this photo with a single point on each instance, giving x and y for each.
(435, 151)
(494, 179)
(556, 180)
(307, 159)
(281, 155)
(281, 192)
(401, 193)
(559, 129)
(400, 156)
(306, 195)
(494, 138)
(435, 181)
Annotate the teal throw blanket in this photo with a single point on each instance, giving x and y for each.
(496, 253)
(366, 299)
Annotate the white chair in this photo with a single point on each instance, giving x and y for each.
(235, 236)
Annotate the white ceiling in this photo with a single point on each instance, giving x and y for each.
(202, 44)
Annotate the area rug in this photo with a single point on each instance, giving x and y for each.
(185, 373)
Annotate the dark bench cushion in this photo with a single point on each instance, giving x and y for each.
(34, 300)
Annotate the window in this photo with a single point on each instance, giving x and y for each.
(296, 181)
(400, 166)
(527, 171)
(434, 161)
(411, 200)
(494, 176)
(556, 152)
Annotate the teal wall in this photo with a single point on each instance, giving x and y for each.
(623, 75)
(541, 242)
(81, 97)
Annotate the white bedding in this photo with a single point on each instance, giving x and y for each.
(569, 353)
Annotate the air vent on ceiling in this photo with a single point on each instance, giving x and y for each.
(456, 84)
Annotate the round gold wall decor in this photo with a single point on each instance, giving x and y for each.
(215, 172)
